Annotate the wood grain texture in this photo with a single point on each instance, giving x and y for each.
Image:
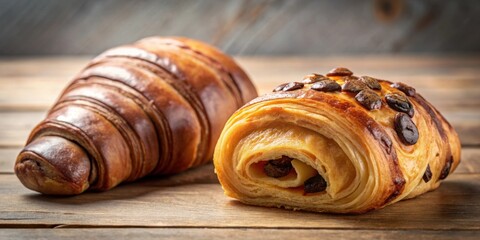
(163, 203)
(236, 233)
(260, 27)
(8, 155)
(448, 82)
(192, 204)
(470, 161)
(16, 126)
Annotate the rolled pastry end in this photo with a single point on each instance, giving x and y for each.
(54, 165)
(336, 143)
(290, 173)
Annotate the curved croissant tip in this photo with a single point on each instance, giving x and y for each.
(42, 179)
(39, 167)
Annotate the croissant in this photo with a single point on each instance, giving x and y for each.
(154, 107)
(336, 143)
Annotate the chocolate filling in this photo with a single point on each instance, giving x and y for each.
(446, 169)
(427, 176)
(279, 167)
(315, 184)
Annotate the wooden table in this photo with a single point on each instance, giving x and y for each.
(192, 204)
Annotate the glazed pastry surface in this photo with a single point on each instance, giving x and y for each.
(336, 143)
(154, 107)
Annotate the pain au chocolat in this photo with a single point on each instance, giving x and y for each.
(335, 143)
(154, 107)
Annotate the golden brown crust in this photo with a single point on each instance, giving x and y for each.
(154, 107)
(240, 78)
(37, 172)
(396, 149)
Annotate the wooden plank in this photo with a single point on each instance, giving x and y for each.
(155, 203)
(447, 83)
(15, 126)
(227, 234)
(403, 64)
(42, 66)
(30, 93)
(467, 125)
(470, 160)
(7, 159)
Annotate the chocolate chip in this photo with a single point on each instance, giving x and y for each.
(280, 87)
(411, 112)
(293, 86)
(353, 85)
(278, 168)
(400, 103)
(369, 99)
(326, 86)
(340, 71)
(446, 169)
(428, 174)
(313, 78)
(288, 86)
(371, 82)
(381, 136)
(410, 91)
(282, 161)
(315, 184)
(406, 129)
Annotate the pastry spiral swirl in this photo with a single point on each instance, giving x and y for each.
(336, 143)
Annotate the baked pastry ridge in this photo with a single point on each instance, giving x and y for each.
(153, 107)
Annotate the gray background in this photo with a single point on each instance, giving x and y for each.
(242, 27)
